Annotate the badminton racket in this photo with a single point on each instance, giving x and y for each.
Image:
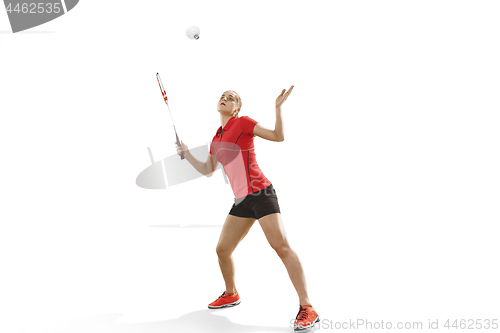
(164, 94)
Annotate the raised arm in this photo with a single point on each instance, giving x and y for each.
(277, 134)
(271, 135)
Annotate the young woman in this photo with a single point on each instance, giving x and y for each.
(255, 198)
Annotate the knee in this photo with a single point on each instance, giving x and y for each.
(282, 250)
(222, 251)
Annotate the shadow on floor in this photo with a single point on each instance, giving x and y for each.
(186, 226)
(202, 321)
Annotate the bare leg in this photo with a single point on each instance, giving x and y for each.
(233, 231)
(273, 228)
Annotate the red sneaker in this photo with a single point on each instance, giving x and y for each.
(306, 318)
(225, 300)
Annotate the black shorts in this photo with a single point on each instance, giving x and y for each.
(257, 204)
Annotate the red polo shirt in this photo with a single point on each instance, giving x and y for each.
(233, 147)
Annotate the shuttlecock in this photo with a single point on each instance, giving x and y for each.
(193, 32)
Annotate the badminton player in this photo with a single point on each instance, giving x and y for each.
(255, 198)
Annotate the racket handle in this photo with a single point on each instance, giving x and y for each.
(179, 144)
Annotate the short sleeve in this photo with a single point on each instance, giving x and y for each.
(211, 144)
(247, 124)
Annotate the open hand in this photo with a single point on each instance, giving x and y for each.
(283, 96)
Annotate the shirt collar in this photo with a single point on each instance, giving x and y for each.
(228, 125)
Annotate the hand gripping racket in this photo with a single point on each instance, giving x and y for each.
(164, 94)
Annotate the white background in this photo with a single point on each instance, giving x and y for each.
(387, 179)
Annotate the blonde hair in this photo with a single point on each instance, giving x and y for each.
(239, 101)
